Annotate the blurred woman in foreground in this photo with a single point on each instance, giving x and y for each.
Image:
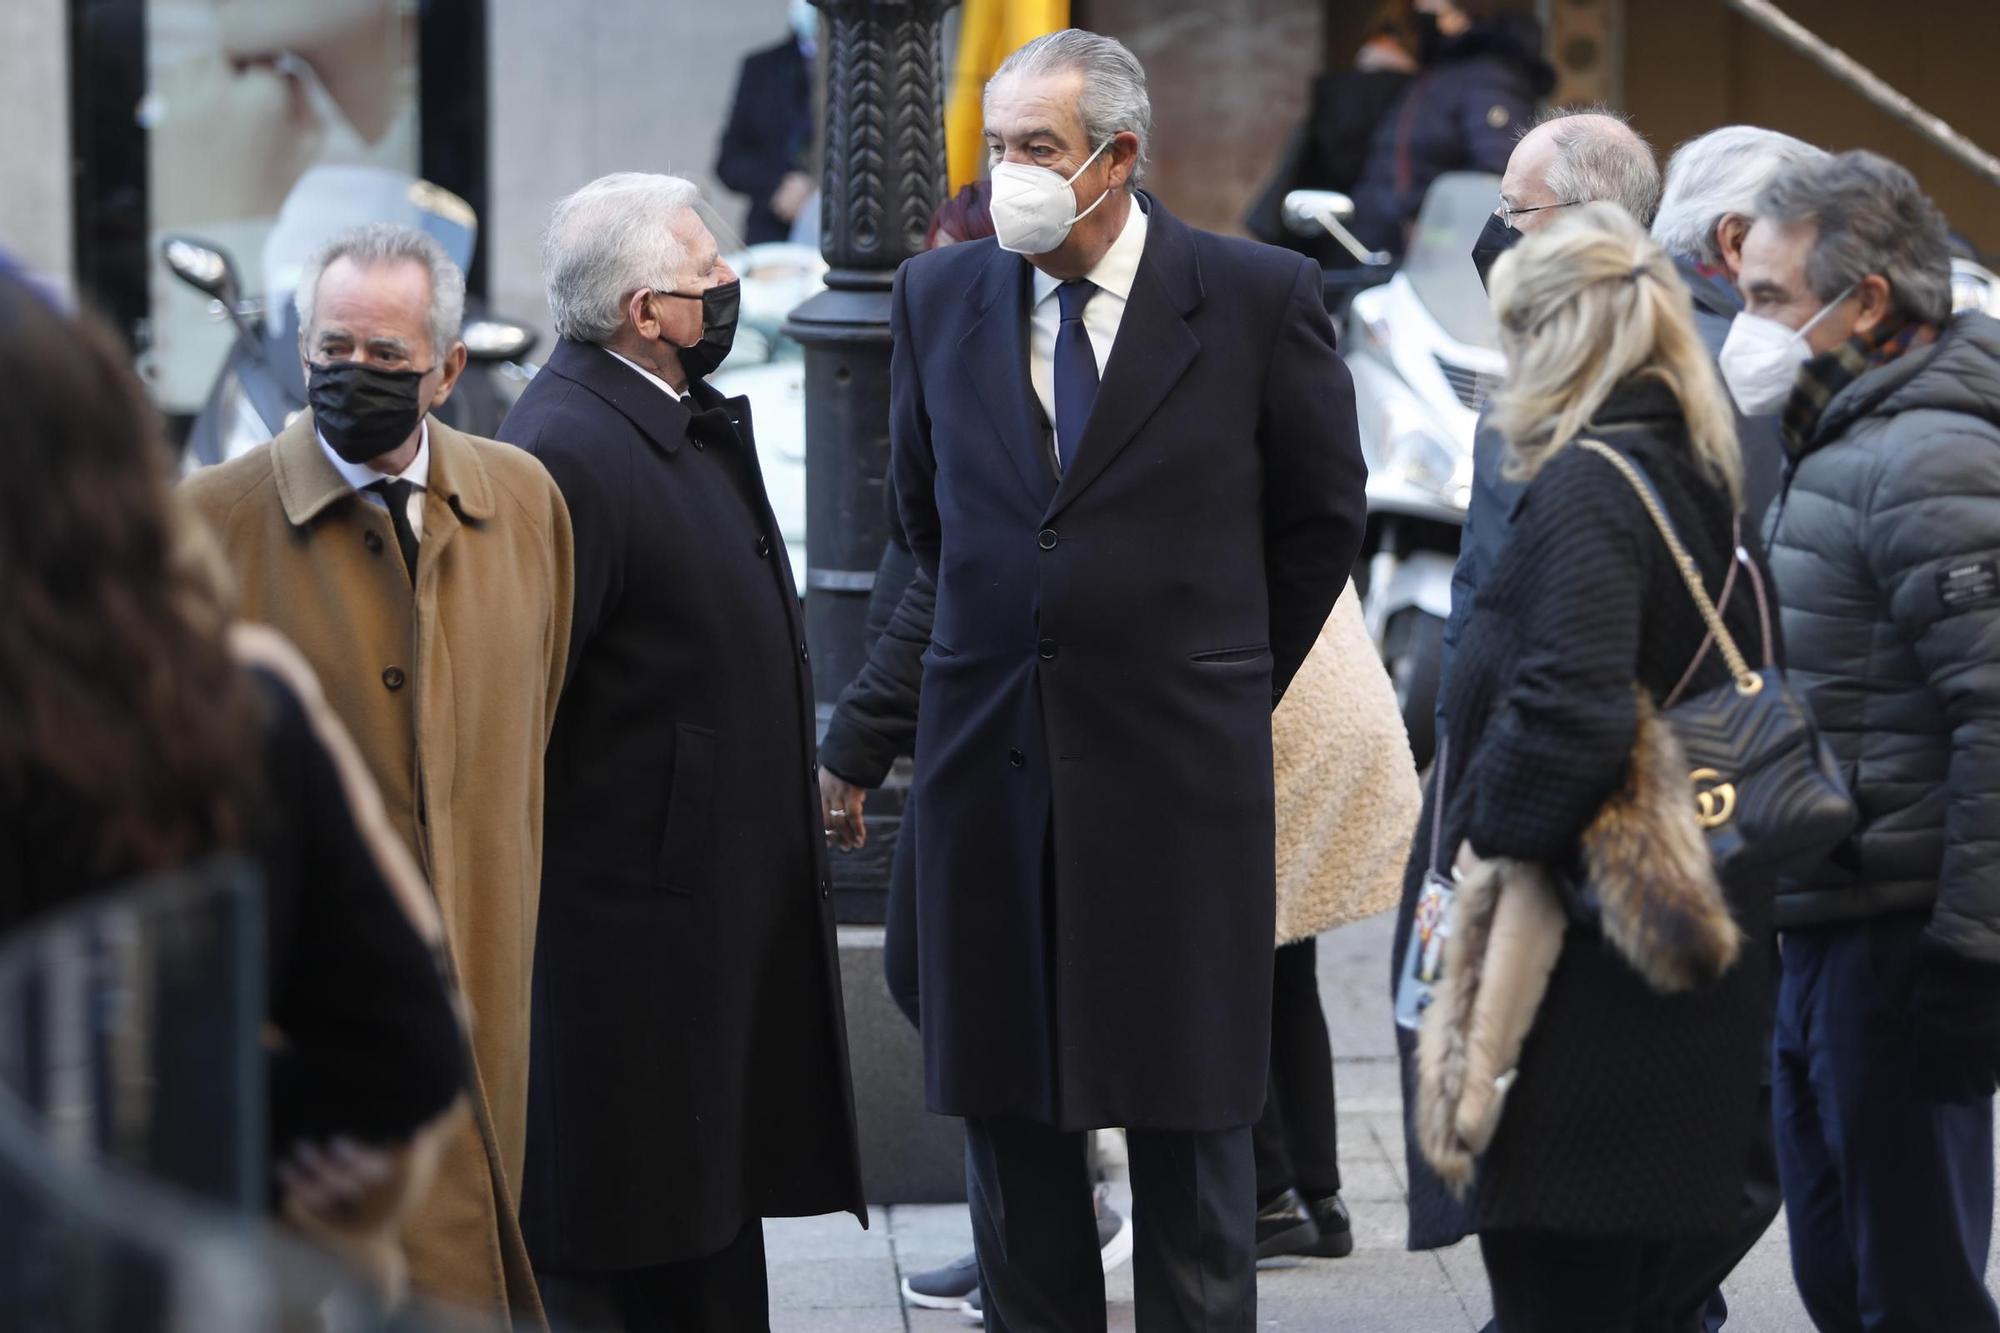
(140, 734)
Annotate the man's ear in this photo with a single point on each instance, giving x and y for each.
(1124, 155)
(454, 366)
(1730, 229)
(639, 309)
(1875, 303)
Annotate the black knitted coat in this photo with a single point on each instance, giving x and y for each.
(1632, 1113)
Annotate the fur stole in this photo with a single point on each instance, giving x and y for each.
(1646, 858)
(1660, 907)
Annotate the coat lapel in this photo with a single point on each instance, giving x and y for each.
(1154, 349)
(661, 419)
(995, 350)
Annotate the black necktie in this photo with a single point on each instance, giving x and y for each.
(1075, 369)
(397, 493)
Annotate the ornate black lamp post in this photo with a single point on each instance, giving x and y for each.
(884, 176)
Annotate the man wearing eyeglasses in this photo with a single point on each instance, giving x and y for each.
(1571, 156)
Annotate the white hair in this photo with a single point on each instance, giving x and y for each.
(1114, 98)
(611, 238)
(389, 243)
(1600, 157)
(1719, 175)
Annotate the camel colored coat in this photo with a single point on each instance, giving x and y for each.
(1346, 783)
(449, 689)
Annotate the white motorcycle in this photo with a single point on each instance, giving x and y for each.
(1424, 351)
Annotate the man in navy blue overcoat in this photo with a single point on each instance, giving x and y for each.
(1128, 456)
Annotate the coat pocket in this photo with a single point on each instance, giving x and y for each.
(683, 863)
(1251, 652)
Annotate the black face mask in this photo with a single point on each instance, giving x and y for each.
(362, 410)
(1495, 239)
(720, 307)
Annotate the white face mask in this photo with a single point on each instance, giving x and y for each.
(1760, 359)
(1033, 207)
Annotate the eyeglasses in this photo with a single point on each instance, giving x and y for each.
(1508, 214)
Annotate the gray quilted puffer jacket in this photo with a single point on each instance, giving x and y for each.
(1886, 552)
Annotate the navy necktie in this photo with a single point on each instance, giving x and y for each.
(1075, 369)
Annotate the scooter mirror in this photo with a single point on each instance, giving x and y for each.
(1304, 210)
(496, 340)
(204, 268)
(1309, 212)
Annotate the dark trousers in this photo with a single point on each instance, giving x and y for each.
(1548, 1283)
(724, 1292)
(1297, 1143)
(899, 933)
(1889, 1196)
(1193, 1228)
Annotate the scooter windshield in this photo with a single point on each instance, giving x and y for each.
(1439, 262)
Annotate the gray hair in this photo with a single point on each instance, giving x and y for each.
(1872, 218)
(1114, 98)
(390, 243)
(1716, 176)
(609, 239)
(1601, 158)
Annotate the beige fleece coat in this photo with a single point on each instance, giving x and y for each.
(1347, 790)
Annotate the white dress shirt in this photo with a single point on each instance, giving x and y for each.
(360, 476)
(666, 388)
(1101, 314)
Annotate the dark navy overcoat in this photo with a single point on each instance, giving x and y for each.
(1095, 840)
(689, 1066)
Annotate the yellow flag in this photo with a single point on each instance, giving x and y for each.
(988, 32)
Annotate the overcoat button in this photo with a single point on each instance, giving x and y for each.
(1016, 758)
(393, 677)
(1048, 649)
(804, 656)
(373, 541)
(764, 547)
(1048, 539)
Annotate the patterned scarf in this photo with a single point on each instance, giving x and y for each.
(1822, 378)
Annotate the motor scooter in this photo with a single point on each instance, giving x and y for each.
(1424, 351)
(261, 386)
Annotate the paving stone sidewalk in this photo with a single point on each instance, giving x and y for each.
(829, 1276)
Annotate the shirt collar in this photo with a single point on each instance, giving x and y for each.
(1119, 267)
(360, 476)
(664, 387)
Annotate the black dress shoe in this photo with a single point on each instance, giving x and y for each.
(1284, 1226)
(1336, 1229)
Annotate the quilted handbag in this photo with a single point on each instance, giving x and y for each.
(1767, 793)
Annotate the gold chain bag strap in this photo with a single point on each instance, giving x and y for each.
(1767, 793)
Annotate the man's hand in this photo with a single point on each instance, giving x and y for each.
(840, 803)
(791, 195)
(342, 1184)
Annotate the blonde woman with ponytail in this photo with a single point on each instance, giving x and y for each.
(1628, 1117)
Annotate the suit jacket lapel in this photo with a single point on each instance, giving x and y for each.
(1154, 349)
(995, 350)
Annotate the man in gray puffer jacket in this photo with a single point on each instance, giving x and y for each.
(1885, 546)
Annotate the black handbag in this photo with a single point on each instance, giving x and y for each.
(1767, 792)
